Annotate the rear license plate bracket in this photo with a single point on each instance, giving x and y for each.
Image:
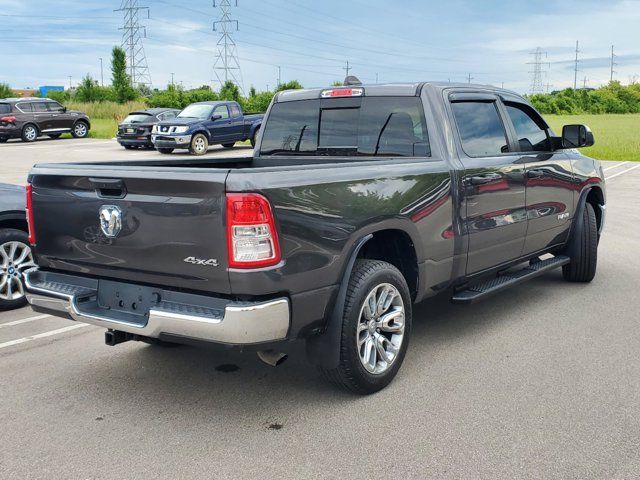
(127, 298)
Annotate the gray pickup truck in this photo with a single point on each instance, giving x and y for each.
(359, 202)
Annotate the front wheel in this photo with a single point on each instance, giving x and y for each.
(15, 258)
(165, 150)
(583, 248)
(376, 326)
(80, 130)
(199, 144)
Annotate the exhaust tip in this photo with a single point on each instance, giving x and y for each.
(272, 358)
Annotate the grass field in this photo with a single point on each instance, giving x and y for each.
(617, 136)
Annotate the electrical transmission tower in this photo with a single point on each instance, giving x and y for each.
(226, 67)
(613, 62)
(537, 85)
(575, 68)
(132, 35)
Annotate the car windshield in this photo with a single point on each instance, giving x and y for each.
(371, 126)
(137, 118)
(196, 111)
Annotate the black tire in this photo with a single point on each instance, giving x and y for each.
(80, 129)
(350, 373)
(4, 140)
(583, 248)
(228, 145)
(199, 144)
(254, 137)
(8, 236)
(30, 133)
(54, 136)
(165, 150)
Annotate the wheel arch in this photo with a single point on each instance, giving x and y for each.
(15, 221)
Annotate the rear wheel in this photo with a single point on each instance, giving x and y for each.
(29, 133)
(80, 129)
(199, 144)
(15, 259)
(583, 248)
(254, 137)
(376, 326)
(165, 150)
(54, 136)
(228, 145)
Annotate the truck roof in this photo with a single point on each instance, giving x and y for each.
(386, 90)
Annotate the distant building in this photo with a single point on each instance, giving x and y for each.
(48, 88)
(24, 92)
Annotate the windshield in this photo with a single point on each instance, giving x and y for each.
(371, 126)
(137, 118)
(196, 111)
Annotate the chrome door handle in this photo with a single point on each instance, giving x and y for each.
(535, 173)
(484, 179)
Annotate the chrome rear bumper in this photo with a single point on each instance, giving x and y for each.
(214, 320)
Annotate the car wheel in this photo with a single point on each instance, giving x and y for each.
(199, 144)
(29, 133)
(228, 145)
(80, 130)
(54, 136)
(254, 137)
(376, 326)
(15, 258)
(583, 248)
(165, 150)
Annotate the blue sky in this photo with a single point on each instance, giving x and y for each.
(46, 42)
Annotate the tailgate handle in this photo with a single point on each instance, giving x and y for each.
(109, 187)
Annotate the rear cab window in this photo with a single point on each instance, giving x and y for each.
(366, 126)
(235, 110)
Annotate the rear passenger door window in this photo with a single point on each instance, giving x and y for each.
(482, 132)
(25, 107)
(530, 129)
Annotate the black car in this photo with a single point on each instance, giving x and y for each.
(30, 118)
(15, 252)
(135, 130)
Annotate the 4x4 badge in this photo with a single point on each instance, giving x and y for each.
(211, 262)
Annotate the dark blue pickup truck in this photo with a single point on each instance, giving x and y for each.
(206, 123)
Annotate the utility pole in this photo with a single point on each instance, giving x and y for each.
(227, 64)
(279, 76)
(584, 83)
(172, 76)
(347, 68)
(101, 73)
(575, 68)
(469, 78)
(536, 79)
(132, 35)
(613, 63)
(70, 87)
(548, 87)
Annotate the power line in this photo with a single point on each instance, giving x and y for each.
(132, 35)
(575, 68)
(536, 79)
(226, 66)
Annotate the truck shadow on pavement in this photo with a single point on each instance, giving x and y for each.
(200, 380)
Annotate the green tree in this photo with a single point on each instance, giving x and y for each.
(292, 85)
(119, 78)
(230, 91)
(87, 91)
(5, 91)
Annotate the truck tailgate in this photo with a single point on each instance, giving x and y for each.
(172, 227)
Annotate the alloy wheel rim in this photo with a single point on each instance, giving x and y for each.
(380, 329)
(81, 129)
(199, 144)
(30, 133)
(15, 259)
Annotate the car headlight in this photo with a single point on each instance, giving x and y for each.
(154, 129)
(181, 129)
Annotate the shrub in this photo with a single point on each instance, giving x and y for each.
(5, 91)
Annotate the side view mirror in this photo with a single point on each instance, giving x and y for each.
(216, 117)
(64, 109)
(577, 136)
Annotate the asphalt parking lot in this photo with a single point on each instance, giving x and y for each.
(540, 382)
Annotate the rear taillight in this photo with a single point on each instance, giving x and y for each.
(10, 119)
(252, 237)
(32, 232)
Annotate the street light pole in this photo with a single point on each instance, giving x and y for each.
(101, 73)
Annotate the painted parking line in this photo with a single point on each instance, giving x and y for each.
(42, 335)
(623, 172)
(615, 166)
(24, 320)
